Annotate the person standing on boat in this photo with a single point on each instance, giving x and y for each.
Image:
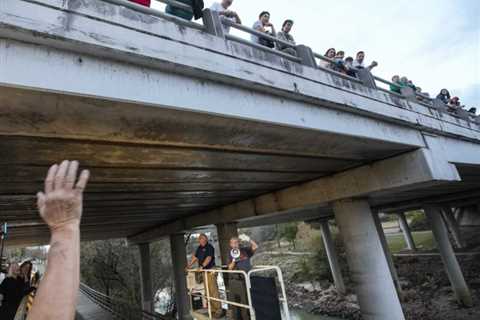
(205, 256)
(240, 260)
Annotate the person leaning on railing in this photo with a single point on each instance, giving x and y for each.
(265, 26)
(223, 10)
(286, 36)
(329, 54)
(205, 257)
(359, 62)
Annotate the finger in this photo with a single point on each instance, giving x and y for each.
(83, 180)
(40, 200)
(50, 177)
(71, 175)
(60, 176)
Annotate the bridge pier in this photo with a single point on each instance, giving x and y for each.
(407, 234)
(225, 232)
(367, 261)
(388, 255)
(146, 277)
(179, 262)
(449, 259)
(332, 256)
(452, 226)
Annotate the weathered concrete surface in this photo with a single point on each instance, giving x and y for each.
(367, 261)
(454, 272)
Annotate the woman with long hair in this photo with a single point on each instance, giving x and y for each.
(14, 288)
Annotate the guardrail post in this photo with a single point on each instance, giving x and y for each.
(179, 262)
(367, 78)
(213, 23)
(408, 93)
(306, 55)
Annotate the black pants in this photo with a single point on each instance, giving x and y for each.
(238, 293)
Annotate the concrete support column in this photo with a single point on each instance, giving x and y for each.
(146, 277)
(332, 257)
(402, 220)
(388, 255)
(459, 286)
(179, 262)
(367, 261)
(225, 232)
(452, 226)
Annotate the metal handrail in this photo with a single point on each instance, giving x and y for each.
(209, 298)
(112, 305)
(322, 57)
(259, 34)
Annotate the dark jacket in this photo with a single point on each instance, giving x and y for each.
(196, 5)
(13, 291)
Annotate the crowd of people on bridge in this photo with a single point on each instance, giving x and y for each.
(17, 291)
(332, 59)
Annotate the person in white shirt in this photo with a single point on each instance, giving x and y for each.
(222, 9)
(358, 63)
(264, 25)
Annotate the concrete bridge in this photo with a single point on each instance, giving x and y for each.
(185, 126)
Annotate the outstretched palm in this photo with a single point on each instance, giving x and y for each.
(61, 202)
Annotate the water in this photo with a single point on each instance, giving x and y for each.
(302, 315)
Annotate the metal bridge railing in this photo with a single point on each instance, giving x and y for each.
(120, 309)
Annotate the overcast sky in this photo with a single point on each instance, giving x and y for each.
(436, 43)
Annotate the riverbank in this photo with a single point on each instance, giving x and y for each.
(426, 290)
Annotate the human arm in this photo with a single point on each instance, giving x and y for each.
(192, 262)
(372, 65)
(206, 262)
(60, 207)
(232, 264)
(254, 246)
(231, 14)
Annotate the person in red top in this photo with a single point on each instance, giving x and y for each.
(145, 3)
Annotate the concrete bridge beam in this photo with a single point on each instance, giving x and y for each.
(179, 262)
(367, 260)
(332, 257)
(146, 277)
(407, 234)
(449, 259)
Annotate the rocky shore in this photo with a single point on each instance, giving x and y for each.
(426, 292)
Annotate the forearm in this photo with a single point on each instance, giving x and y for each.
(206, 262)
(62, 277)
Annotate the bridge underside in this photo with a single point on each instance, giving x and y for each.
(153, 166)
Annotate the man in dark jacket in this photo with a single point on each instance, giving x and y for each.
(196, 11)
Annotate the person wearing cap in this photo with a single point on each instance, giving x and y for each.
(287, 37)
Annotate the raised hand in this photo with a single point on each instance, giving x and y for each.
(61, 202)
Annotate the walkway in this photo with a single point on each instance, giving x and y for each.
(87, 310)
